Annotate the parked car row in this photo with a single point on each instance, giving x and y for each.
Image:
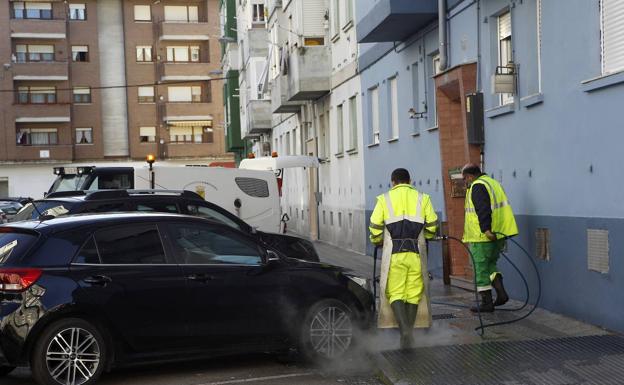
(103, 279)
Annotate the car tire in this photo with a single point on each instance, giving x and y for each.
(6, 370)
(328, 331)
(69, 352)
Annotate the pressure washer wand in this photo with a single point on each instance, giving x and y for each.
(375, 279)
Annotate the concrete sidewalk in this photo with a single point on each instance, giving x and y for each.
(545, 348)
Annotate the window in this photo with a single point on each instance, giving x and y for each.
(130, 245)
(77, 12)
(374, 114)
(32, 10)
(82, 95)
(142, 13)
(84, 135)
(287, 150)
(34, 53)
(36, 95)
(37, 136)
(207, 212)
(182, 13)
(205, 245)
(146, 94)
(394, 107)
(258, 13)
(147, 134)
(612, 26)
(505, 49)
(80, 53)
(190, 135)
(353, 123)
(184, 94)
(143, 53)
(433, 68)
(323, 153)
(336, 22)
(183, 54)
(88, 253)
(339, 130)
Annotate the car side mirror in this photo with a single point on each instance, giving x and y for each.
(272, 256)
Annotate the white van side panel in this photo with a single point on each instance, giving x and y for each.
(256, 190)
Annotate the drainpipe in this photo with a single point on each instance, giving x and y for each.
(442, 34)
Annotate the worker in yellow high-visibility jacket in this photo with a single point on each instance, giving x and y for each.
(489, 219)
(401, 220)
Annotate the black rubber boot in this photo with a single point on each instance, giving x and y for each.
(501, 294)
(486, 306)
(411, 310)
(400, 314)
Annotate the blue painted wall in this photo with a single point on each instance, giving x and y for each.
(555, 150)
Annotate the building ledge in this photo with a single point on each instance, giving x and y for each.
(499, 111)
(43, 119)
(373, 145)
(532, 100)
(415, 134)
(393, 140)
(352, 151)
(431, 129)
(601, 82)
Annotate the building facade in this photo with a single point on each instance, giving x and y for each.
(551, 79)
(96, 81)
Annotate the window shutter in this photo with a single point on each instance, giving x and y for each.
(504, 25)
(146, 91)
(41, 48)
(313, 18)
(41, 6)
(612, 35)
(180, 94)
(181, 131)
(147, 131)
(176, 13)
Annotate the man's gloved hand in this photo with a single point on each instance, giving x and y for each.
(490, 235)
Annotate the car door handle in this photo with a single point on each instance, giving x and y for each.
(200, 277)
(99, 280)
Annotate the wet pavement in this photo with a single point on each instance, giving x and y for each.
(545, 348)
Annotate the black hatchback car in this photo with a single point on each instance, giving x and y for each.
(167, 201)
(82, 294)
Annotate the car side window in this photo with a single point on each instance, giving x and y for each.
(207, 212)
(157, 207)
(132, 244)
(205, 245)
(88, 253)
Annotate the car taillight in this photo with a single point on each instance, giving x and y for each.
(18, 279)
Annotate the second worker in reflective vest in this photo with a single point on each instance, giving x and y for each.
(488, 221)
(401, 220)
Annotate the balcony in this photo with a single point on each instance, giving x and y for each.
(258, 117)
(42, 113)
(58, 152)
(45, 29)
(57, 71)
(395, 20)
(187, 112)
(309, 73)
(279, 97)
(185, 31)
(185, 71)
(257, 44)
(230, 61)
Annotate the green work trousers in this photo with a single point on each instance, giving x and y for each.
(486, 256)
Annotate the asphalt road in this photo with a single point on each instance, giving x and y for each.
(247, 370)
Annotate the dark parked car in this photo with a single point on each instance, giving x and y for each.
(10, 208)
(168, 201)
(82, 294)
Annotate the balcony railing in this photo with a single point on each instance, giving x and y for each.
(279, 97)
(38, 28)
(309, 73)
(42, 70)
(169, 30)
(175, 71)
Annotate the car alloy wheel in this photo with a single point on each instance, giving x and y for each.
(331, 330)
(73, 356)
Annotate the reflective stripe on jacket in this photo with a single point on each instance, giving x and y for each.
(503, 220)
(404, 211)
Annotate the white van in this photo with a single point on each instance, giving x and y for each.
(252, 195)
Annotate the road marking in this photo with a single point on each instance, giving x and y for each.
(259, 379)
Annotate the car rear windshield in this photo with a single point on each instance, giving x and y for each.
(13, 244)
(44, 207)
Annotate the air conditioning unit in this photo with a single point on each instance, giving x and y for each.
(504, 79)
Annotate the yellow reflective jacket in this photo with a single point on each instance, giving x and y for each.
(404, 200)
(503, 220)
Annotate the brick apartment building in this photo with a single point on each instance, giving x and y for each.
(64, 68)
